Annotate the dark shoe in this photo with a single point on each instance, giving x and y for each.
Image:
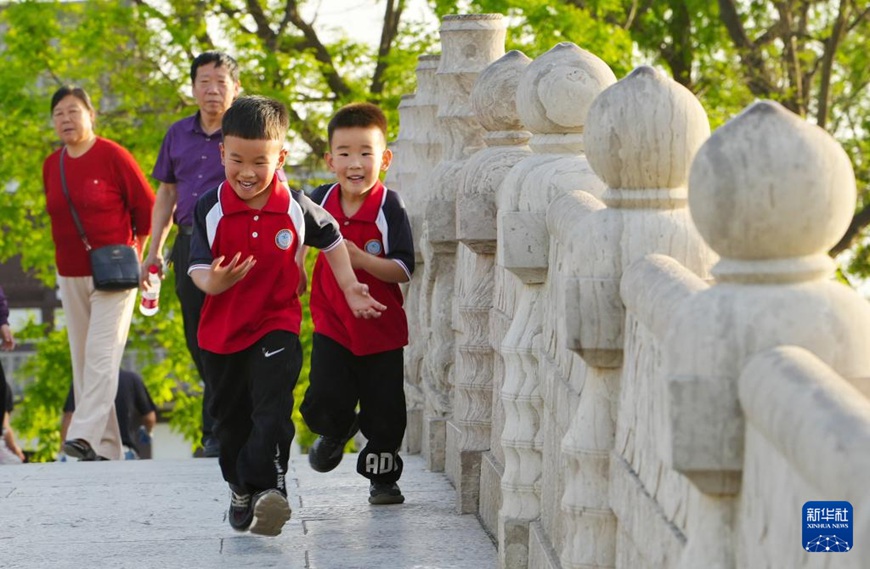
(326, 452)
(241, 513)
(385, 493)
(81, 449)
(211, 448)
(270, 512)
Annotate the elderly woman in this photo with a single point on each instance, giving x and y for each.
(113, 201)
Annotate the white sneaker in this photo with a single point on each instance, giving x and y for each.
(271, 512)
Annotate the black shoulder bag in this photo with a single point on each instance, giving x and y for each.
(114, 267)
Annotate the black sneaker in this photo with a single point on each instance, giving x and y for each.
(241, 513)
(270, 512)
(385, 493)
(326, 452)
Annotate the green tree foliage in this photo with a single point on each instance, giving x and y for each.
(134, 58)
(809, 55)
(38, 419)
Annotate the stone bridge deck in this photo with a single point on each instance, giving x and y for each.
(171, 514)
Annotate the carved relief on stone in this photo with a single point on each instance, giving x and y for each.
(553, 100)
(552, 103)
(469, 43)
(641, 134)
(492, 100)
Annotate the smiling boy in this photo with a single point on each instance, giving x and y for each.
(356, 362)
(243, 256)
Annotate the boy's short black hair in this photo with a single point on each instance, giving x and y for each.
(76, 92)
(220, 59)
(363, 115)
(255, 117)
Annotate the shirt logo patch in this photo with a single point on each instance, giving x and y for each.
(373, 247)
(284, 239)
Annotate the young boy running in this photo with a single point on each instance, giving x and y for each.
(356, 362)
(243, 256)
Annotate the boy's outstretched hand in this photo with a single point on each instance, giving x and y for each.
(221, 277)
(361, 304)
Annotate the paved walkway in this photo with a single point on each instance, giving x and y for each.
(171, 514)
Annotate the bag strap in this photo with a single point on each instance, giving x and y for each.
(72, 209)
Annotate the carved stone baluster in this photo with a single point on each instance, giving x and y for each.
(468, 434)
(553, 98)
(522, 448)
(420, 155)
(469, 43)
(641, 135)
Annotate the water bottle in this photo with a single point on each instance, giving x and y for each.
(149, 305)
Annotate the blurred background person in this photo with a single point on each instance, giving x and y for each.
(10, 452)
(114, 202)
(189, 164)
(136, 414)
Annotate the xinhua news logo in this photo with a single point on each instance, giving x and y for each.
(827, 527)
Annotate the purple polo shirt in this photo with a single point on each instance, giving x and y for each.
(190, 159)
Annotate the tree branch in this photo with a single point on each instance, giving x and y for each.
(804, 35)
(264, 31)
(311, 136)
(830, 53)
(681, 32)
(199, 15)
(612, 17)
(856, 227)
(755, 70)
(859, 18)
(392, 17)
(795, 97)
(231, 12)
(321, 54)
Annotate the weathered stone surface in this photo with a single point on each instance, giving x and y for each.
(469, 44)
(541, 553)
(631, 295)
(553, 99)
(490, 492)
(170, 515)
(794, 402)
(493, 99)
(420, 154)
(435, 443)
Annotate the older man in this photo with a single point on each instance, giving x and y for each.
(188, 165)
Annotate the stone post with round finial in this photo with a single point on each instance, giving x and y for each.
(641, 135)
(422, 152)
(771, 194)
(553, 98)
(426, 145)
(469, 43)
(475, 377)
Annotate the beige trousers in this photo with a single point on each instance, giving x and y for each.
(97, 323)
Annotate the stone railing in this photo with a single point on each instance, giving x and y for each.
(629, 350)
